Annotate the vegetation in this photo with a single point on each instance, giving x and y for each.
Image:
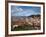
(22, 28)
(25, 23)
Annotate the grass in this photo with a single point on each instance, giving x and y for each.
(23, 28)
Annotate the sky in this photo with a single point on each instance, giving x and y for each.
(24, 10)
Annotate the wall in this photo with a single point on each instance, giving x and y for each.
(2, 19)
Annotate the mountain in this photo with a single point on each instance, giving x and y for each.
(22, 17)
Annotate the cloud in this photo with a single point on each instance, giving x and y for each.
(17, 9)
(23, 12)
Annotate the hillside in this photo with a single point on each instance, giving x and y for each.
(26, 22)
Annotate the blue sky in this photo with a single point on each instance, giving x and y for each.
(25, 10)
